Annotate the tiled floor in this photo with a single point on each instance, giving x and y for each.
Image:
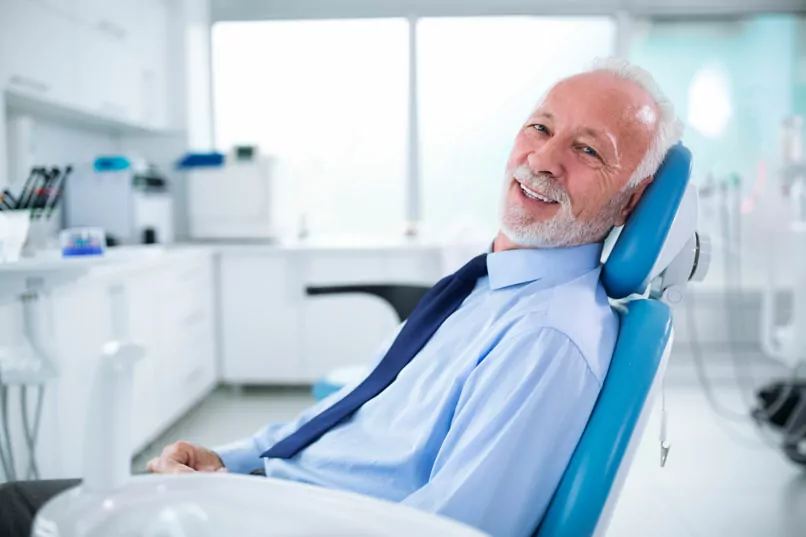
(720, 479)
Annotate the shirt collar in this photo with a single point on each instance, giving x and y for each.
(513, 267)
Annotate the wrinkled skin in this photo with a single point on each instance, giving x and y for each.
(579, 148)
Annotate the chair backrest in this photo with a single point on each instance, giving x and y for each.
(589, 488)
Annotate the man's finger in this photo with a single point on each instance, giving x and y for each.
(161, 465)
(176, 451)
(179, 469)
(210, 468)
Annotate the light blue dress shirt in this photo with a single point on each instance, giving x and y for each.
(481, 424)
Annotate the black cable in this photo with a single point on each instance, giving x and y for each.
(12, 472)
(32, 472)
(3, 458)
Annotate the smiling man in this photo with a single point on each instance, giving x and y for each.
(476, 404)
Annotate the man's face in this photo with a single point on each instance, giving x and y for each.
(567, 172)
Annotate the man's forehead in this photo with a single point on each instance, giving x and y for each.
(599, 102)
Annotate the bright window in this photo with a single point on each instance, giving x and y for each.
(478, 80)
(328, 99)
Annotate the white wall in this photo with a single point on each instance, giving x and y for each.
(54, 144)
(57, 144)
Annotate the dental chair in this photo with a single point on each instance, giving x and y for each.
(645, 272)
(656, 253)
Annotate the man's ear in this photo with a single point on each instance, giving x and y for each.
(635, 197)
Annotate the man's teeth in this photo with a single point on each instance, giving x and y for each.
(535, 196)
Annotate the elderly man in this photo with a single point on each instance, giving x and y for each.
(475, 406)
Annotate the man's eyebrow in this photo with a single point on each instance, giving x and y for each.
(541, 113)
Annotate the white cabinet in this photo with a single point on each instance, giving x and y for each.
(272, 332)
(183, 296)
(37, 50)
(348, 329)
(342, 330)
(152, 50)
(106, 81)
(260, 298)
(113, 17)
(122, 58)
(99, 58)
(168, 309)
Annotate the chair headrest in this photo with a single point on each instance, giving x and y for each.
(628, 268)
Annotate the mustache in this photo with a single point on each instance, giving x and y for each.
(540, 182)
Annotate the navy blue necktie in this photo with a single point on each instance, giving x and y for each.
(436, 306)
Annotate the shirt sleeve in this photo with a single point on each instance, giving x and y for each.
(517, 423)
(243, 456)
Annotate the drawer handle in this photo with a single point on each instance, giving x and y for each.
(30, 83)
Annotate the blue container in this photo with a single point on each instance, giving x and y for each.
(111, 164)
(200, 160)
(77, 242)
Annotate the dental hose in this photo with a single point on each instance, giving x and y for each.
(8, 457)
(31, 434)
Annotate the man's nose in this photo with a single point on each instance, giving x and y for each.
(546, 159)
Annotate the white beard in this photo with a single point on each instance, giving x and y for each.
(561, 230)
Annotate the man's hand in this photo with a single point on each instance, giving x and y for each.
(183, 457)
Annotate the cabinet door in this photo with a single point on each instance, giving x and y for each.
(186, 333)
(141, 310)
(37, 51)
(150, 43)
(341, 330)
(68, 8)
(113, 17)
(107, 82)
(107, 72)
(261, 297)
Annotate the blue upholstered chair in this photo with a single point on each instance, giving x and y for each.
(648, 248)
(645, 273)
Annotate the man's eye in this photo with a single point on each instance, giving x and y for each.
(540, 128)
(589, 151)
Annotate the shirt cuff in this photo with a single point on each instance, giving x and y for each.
(240, 457)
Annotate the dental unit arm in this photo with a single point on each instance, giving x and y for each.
(782, 403)
(787, 342)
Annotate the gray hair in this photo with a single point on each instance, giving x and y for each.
(669, 128)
